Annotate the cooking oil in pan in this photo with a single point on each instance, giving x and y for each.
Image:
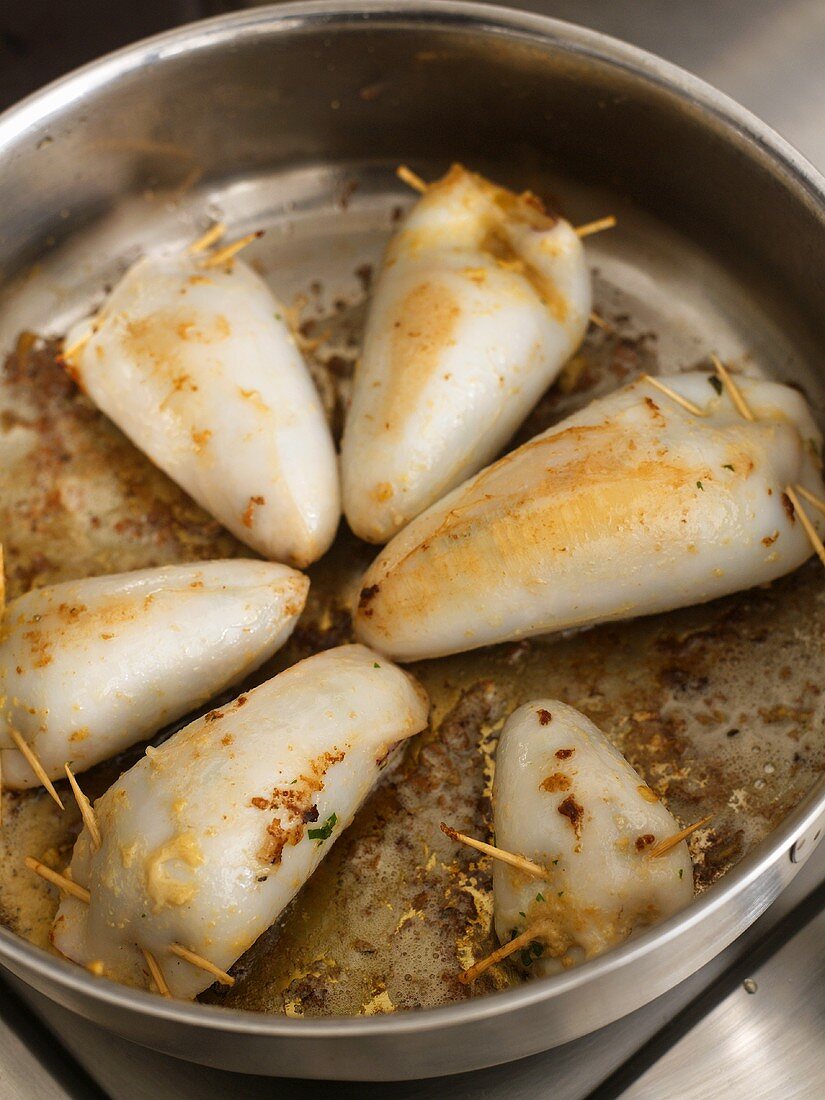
(718, 707)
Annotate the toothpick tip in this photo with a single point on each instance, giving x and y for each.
(658, 384)
(84, 805)
(34, 763)
(520, 863)
(209, 237)
(412, 179)
(666, 845)
(157, 973)
(598, 226)
(202, 963)
(734, 392)
(62, 882)
(807, 525)
(229, 251)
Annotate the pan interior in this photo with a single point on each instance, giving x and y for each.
(719, 707)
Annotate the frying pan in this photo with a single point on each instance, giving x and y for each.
(294, 117)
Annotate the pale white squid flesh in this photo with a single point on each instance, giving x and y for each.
(90, 667)
(632, 506)
(197, 366)
(481, 299)
(207, 838)
(566, 799)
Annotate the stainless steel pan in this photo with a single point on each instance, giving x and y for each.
(276, 117)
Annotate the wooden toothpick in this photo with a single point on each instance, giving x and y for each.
(535, 933)
(810, 530)
(157, 973)
(204, 964)
(519, 862)
(212, 234)
(597, 226)
(68, 353)
(673, 395)
(34, 763)
(817, 502)
(85, 807)
(406, 175)
(600, 322)
(82, 894)
(225, 254)
(734, 392)
(665, 846)
(63, 883)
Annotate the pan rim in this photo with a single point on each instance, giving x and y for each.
(483, 19)
(244, 1021)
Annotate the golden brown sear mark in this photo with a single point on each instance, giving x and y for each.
(555, 782)
(296, 806)
(647, 794)
(249, 511)
(367, 594)
(570, 809)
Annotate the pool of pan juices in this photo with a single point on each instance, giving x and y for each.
(718, 707)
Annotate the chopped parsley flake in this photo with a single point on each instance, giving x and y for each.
(716, 382)
(699, 485)
(375, 664)
(561, 893)
(539, 897)
(555, 863)
(681, 872)
(533, 950)
(325, 831)
(522, 914)
(728, 466)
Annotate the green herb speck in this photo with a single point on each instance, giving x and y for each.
(681, 872)
(561, 893)
(728, 466)
(325, 831)
(539, 897)
(375, 664)
(555, 863)
(522, 914)
(716, 382)
(699, 485)
(533, 950)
